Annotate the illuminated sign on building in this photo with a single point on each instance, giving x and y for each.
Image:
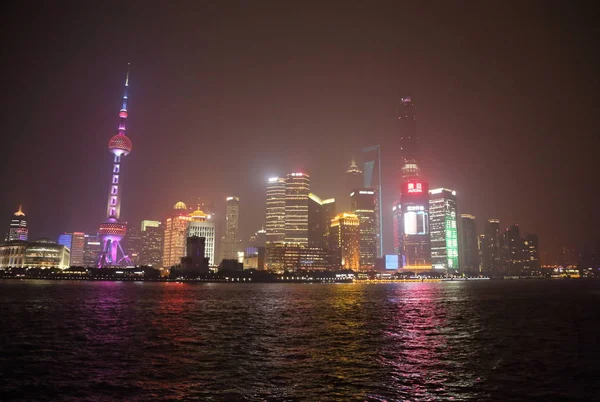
(414, 187)
(392, 261)
(416, 223)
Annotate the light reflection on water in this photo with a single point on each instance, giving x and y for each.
(397, 341)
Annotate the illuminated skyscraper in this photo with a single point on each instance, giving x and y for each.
(469, 256)
(199, 224)
(275, 219)
(112, 230)
(397, 227)
(18, 226)
(443, 229)
(492, 248)
(174, 236)
(531, 259)
(152, 244)
(409, 152)
(297, 189)
(372, 179)
(75, 242)
(230, 244)
(345, 240)
(354, 179)
(513, 250)
(416, 254)
(316, 221)
(363, 205)
(329, 212)
(91, 250)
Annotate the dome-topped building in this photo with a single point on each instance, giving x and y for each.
(180, 205)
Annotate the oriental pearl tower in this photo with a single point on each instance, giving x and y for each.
(112, 230)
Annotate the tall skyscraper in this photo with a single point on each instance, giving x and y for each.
(345, 240)
(18, 226)
(231, 244)
(329, 212)
(443, 229)
(75, 242)
(134, 245)
(363, 205)
(531, 259)
(112, 230)
(316, 221)
(174, 236)
(200, 225)
(258, 239)
(409, 151)
(397, 228)
(354, 179)
(492, 250)
(513, 250)
(91, 250)
(372, 179)
(469, 255)
(275, 218)
(416, 254)
(152, 244)
(297, 189)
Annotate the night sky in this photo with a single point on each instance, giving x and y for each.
(224, 95)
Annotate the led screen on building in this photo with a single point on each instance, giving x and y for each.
(391, 261)
(451, 240)
(416, 222)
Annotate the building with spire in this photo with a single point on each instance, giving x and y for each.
(17, 229)
(113, 230)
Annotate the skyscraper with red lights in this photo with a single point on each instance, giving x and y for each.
(112, 230)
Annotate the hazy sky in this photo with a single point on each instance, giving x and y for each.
(225, 94)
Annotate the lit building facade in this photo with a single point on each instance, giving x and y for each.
(513, 250)
(75, 242)
(42, 253)
(275, 211)
(91, 250)
(18, 226)
(294, 258)
(345, 235)
(175, 235)
(531, 260)
(492, 249)
(372, 179)
(397, 227)
(297, 189)
(152, 245)
(354, 179)
(443, 229)
(200, 225)
(416, 253)
(148, 223)
(363, 205)
(134, 244)
(469, 254)
(230, 243)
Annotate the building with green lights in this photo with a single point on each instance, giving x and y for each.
(443, 229)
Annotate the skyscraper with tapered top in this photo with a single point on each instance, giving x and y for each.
(18, 226)
(113, 230)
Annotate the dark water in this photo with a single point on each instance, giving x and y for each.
(534, 340)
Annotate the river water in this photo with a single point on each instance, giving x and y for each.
(486, 340)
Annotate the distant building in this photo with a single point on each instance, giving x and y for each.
(295, 258)
(175, 235)
(531, 260)
(364, 204)
(469, 254)
(443, 229)
(199, 225)
(230, 242)
(148, 223)
(416, 253)
(354, 179)
(134, 245)
(75, 242)
(297, 189)
(492, 249)
(18, 226)
(42, 253)
(328, 207)
(513, 250)
(275, 211)
(194, 263)
(372, 179)
(258, 239)
(91, 249)
(345, 235)
(231, 265)
(152, 244)
(254, 258)
(397, 227)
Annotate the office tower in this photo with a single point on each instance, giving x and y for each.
(258, 239)
(354, 179)
(175, 235)
(148, 223)
(151, 252)
(531, 254)
(329, 209)
(345, 235)
(195, 263)
(18, 226)
(76, 243)
(297, 189)
(91, 250)
(513, 250)
(372, 179)
(112, 230)
(275, 217)
(469, 250)
(134, 245)
(42, 253)
(363, 204)
(443, 229)
(397, 228)
(200, 225)
(481, 250)
(316, 221)
(416, 254)
(492, 248)
(230, 243)
(409, 151)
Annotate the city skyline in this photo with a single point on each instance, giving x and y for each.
(477, 133)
